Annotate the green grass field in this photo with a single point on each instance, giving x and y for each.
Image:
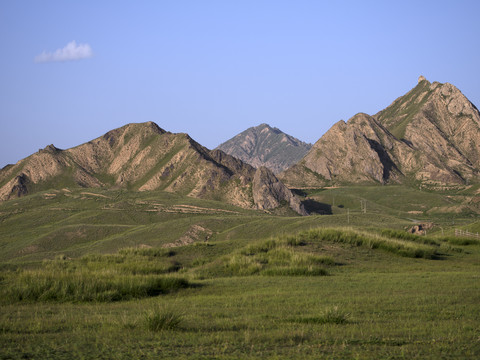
(95, 274)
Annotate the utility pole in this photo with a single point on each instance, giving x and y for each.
(363, 206)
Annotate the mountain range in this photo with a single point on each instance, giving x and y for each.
(431, 135)
(267, 146)
(145, 157)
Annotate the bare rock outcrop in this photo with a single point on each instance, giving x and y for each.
(269, 192)
(16, 187)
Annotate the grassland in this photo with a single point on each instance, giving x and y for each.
(108, 274)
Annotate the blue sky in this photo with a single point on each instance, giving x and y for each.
(214, 68)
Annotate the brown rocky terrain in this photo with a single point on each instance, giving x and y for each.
(430, 135)
(145, 157)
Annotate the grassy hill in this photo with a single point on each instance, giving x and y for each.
(81, 221)
(98, 273)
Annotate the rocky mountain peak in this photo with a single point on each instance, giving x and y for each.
(143, 157)
(431, 134)
(268, 146)
(50, 149)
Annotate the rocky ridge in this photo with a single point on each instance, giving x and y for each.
(431, 135)
(145, 157)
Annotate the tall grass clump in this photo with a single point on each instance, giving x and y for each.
(403, 235)
(329, 316)
(460, 240)
(149, 252)
(160, 319)
(83, 286)
(274, 257)
(429, 240)
(129, 261)
(373, 241)
(100, 278)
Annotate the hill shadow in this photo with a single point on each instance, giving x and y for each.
(316, 207)
(313, 206)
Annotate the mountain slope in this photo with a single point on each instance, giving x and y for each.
(266, 146)
(438, 121)
(142, 157)
(430, 135)
(360, 150)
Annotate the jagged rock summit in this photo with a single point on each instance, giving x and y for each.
(145, 157)
(267, 146)
(430, 135)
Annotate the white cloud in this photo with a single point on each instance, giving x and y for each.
(71, 51)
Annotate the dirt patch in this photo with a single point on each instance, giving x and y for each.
(197, 209)
(49, 196)
(194, 234)
(187, 209)
(93, 194)
(29, 249)
(144, 246)
(448, 209)
(420, 229)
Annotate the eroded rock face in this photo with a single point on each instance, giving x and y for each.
(269, 192)
(431, 134)
(360, 150)
(16, 187)
(141, 157)
(443, 128)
